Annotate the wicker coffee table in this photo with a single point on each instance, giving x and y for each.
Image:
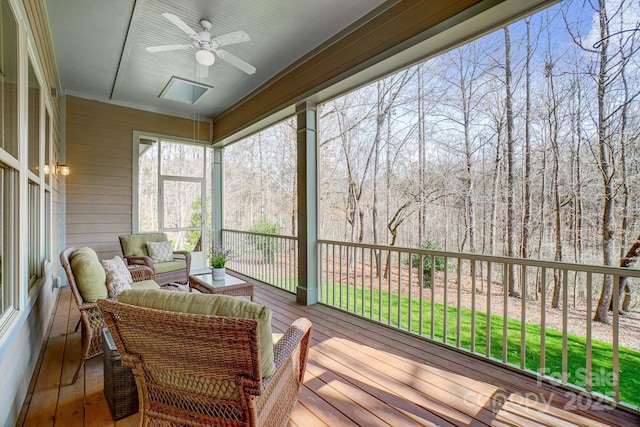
(231, 285)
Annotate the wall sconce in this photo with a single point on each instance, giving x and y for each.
(63, 169)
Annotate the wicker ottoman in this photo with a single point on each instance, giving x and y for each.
(119, 384)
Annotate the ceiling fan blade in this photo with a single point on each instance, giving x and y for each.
(235, 61)
(202, 71)
(168, 47)
(231, 38)
(180, 24)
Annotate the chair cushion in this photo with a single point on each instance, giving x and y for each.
(212, 305)
(163, 267)
(89, 274)
(136, 244)
(118, 275)
(160, 251)
(145, 284)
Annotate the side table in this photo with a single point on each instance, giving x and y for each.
(231, 285)
(120, 388)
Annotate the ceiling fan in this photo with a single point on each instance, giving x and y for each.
(208, 46)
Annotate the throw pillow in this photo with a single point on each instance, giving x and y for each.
(160, 251)
(118, 275)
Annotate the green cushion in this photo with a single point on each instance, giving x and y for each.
(145, 284)
(163, 267)
(212, 305)
(89, 274)
(136, 244)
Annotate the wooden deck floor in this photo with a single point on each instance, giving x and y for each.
(359, 373)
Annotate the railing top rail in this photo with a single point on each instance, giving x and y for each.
(280, 236)
(598, 269)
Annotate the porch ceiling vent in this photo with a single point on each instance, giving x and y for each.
(184, 91)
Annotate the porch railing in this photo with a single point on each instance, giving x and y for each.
(535, 316)
(270, 258)
(542, 325)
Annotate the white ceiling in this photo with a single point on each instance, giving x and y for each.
(100, 45)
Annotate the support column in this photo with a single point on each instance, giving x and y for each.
(307, 292)
(218, 197)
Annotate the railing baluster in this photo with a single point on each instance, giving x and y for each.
(410, 272)
(488, 319)
(543, 320)
(379, 267)
(472, 270)
(399, 290)
(421, 287)
(616, 320)
(445, 302)
(348, 248)
(389, 263)
(420, 293)
(565, 325)
(459, 303)
(362, 269)
(333, 272)
(505, 312)
(433, 296)
(340, 276)
(322, 297)
(371, 255)
(589, 379)
(523, 317)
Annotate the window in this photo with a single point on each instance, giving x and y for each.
(34, 121)
(34, 264)
(8, 149)
(47, 148)
(8, 80)
(171, 187)
(47, 226)
(7, 225)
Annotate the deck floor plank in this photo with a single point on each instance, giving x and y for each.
(71, 399)
(359, 373)
(44, 396)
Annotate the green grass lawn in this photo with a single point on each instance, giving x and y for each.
(395, 311)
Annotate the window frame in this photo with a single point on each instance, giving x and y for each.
(206, 228)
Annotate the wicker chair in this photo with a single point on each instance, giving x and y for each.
(91, 319)
(199, 370)
(134, 250)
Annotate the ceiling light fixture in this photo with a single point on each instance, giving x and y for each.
(205, 57)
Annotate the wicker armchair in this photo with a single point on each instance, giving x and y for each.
(199, 370)
(134, 250)
(91, 319)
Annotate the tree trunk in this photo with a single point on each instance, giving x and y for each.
(606, 170)
(526, 190)
(511, 238)
(552, 119)
(421, 158)
(625, 293)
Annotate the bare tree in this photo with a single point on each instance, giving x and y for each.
(610, 118)
(510, 143)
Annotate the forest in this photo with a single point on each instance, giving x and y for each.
(522, 143)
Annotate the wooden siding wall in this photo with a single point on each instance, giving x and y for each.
(20, 349)
(100, 156)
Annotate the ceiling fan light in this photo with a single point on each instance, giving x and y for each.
(205, 57)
